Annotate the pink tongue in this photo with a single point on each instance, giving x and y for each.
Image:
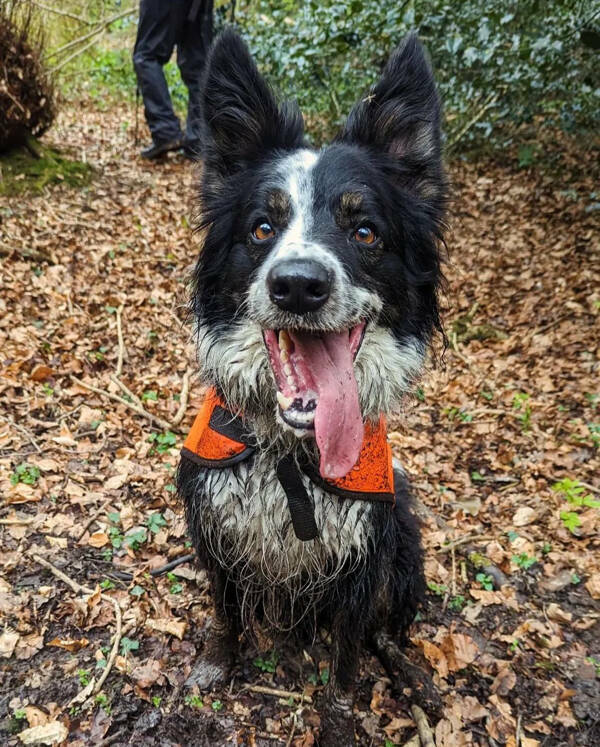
(338, 422)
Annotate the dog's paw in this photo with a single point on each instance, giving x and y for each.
(208, 674)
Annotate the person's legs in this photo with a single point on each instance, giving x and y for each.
(153, 47)
(192, 48)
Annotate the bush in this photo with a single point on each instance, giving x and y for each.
(499, 64)
(26, 95)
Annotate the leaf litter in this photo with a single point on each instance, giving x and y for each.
(501, 441)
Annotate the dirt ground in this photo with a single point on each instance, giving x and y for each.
(502, 441)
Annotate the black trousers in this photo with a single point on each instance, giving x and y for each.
(164, 24)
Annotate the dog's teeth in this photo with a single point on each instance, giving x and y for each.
(292, 383)
(284, 402)
(287, 369)
(283, 356)
(285, 342)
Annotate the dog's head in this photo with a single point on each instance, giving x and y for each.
(316, 287)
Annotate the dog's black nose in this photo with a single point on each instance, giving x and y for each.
(299, 285)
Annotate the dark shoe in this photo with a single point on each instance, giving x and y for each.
(159, 149)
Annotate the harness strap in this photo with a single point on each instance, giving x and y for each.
(219, 439)
(301, 508)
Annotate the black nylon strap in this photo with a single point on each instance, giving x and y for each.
(301, 510)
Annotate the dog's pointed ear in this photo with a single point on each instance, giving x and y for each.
(242, 119)
(401, 117)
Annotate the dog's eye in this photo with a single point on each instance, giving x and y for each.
(263, 231)
(365, 234)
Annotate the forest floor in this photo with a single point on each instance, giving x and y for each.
(501, 440)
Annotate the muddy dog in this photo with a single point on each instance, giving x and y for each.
(315, 298)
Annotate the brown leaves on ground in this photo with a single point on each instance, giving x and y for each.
(511, 627)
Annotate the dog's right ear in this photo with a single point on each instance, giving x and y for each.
(242, 119)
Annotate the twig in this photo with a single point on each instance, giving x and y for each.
(126, 389)
(6, 251)
(451, 546)
(119, 370)
(115, 648)
(61, 13)
(92, 519)
(302, 697)
(488, 103)
(185, 389)
(16, 522)
(125, 576)
(94, 32)
(423, 728)
(293, 729)
(23, 431)
(75, 54)
(131, 405)
(79, 589)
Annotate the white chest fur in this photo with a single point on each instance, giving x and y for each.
(246, 523)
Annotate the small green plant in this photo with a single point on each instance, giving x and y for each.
(163, 441)
(453, 413)
(176, 586)
(102, 701)
(570, 520)
(149, 396)
(575, 578)
(515, 645)
(156, 700)
(593, 399)
(48, 390)
(546, 548)
(137, 591)
(268, 663)
(477, 476)
(523, 560)
(595, 663)
(84, 677)
(457, 603)
(512, 535)
(25, 473)
(575, 493)
(115, 536)
(216, 705)
(438, 589)
(136, 539)
(127, 645)
(155, 521)
(486, 581)
(420, 394)
(107, 584)
(20, 714)
(522, 406)
(194, 701)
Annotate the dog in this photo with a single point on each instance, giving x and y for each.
(315, 298)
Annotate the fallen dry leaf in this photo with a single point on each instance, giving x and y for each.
(53, 732)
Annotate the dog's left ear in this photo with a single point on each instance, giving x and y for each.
(401, 117)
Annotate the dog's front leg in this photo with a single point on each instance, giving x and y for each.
(218, 656)
(337, 724)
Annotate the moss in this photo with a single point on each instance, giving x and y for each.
(23, 172)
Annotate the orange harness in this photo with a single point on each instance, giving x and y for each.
(219, 439)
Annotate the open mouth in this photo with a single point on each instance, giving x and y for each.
(317, 392)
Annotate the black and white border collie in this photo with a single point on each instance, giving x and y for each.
(315, 298)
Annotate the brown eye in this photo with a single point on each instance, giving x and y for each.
(263, 231)
(365, 234)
